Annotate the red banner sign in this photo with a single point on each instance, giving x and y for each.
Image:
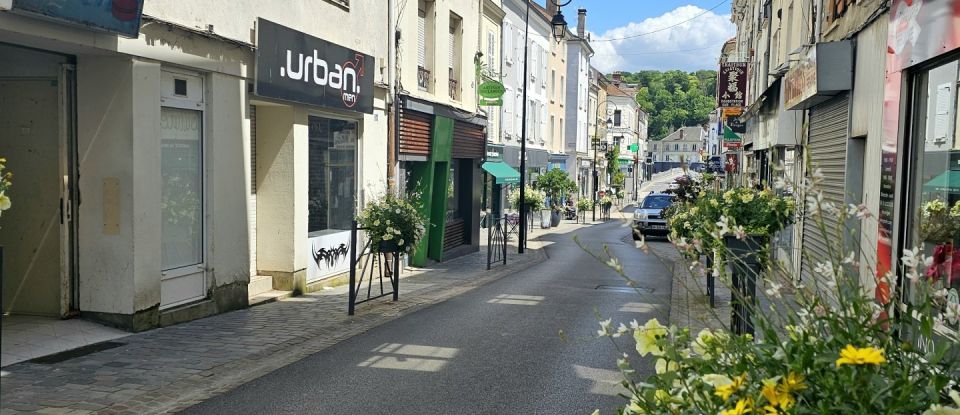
(732, 85)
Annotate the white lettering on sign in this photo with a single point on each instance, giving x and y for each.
(342, 77)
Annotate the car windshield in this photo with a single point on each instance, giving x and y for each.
(656, 202)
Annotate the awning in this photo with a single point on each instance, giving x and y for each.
(626, 160)
(503, 173)
(949, 181)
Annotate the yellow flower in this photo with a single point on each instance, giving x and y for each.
(662, 366)
(701, 345)
(724, 391)
(746, 197)
(4, 202)
(860, 356)
(728, 195)
(714, 203)
(778, 398)
(646, 337)
(742, 407)
(793, 383)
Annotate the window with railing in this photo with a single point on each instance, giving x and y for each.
(453, 56)
(423, 78)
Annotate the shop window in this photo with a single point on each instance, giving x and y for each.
(934, 185)
(332, 174)
(453, 191)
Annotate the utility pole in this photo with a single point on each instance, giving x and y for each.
(522, 240)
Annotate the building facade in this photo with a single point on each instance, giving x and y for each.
(182, 150)
(442, 132)
(577, 95)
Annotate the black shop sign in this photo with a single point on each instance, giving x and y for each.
(294, 66)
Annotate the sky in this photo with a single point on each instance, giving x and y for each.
(673, 34)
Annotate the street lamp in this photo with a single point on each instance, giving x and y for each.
(596, 148)
(559, 26)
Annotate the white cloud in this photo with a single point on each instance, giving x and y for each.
(690, 45)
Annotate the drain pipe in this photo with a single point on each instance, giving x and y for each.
(393, 127)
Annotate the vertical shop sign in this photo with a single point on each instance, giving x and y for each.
(732, 85)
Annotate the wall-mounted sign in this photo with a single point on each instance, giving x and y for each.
(732, 85)
(735, 124)
(732, 164)
(116, 16)
(825, 71)
(294, 66)
(491, 89)
(633, 147)
(487, 102)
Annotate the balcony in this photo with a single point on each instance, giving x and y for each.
(423, 78)
(454, 89)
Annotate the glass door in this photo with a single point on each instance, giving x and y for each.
(182, 206)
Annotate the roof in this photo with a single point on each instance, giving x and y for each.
(615, 91)
(685, 134)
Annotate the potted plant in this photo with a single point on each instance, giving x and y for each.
(534, 200)
(940, 226)
(606, 203)
(393, 224)
(583, 205)
(556, 184)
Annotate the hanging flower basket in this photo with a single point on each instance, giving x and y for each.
(393, 224)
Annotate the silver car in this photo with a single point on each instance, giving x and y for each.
(648, 218)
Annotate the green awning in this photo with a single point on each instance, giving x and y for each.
(948, 181)
(502, 171)
(624, 160)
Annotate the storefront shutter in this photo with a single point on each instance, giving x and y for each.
(469, 141)
(415, 130)
(827, 147)
(252, 195)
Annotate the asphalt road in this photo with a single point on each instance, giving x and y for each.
(496, 349)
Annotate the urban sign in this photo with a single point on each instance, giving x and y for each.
(117, 16)
(735, 124)
(732, 85)
(825, 71)
(491, 89)
(294, 66)
(800, 83)
(633, 147)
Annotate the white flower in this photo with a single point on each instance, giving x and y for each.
(5, 202)
(773, 289)
(952, 313)
(634, 325)
(740, 232)
(400, 242)
(723, 226)
(387, 237)
(910, 257)
(376, 222)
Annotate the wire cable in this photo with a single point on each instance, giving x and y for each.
(663, 28)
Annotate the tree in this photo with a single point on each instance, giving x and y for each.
(556, 183)
(674, 98)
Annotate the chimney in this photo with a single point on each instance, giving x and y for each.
(581, 23)
(551, 7)
(617, 77)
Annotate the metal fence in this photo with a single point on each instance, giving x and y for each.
(368, 264)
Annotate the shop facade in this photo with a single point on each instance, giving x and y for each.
(441, 153)
(128, 209)
(921, 152)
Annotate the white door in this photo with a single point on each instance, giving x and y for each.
(183, 248)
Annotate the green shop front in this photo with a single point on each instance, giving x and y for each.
(441, 151)
(499, 178)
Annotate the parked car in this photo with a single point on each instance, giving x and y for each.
(648, 218)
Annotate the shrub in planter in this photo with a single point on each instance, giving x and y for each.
(556, 184)
(393, 224)
(832, 347)
(584, 205)
(535, 199)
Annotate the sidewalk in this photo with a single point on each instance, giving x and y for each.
(171, 368)
(689, 303)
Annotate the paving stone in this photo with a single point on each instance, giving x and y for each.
(166, 369)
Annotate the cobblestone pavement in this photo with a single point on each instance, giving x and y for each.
(167, 369)
(690, 305)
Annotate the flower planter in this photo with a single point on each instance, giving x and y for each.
(545, 218)
(746, 264)
(555, 218)
(388, 246)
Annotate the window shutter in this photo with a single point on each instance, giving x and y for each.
(536, 60)
(453, 46)
(508, 111)
(422, 38)
(491, 48)
(543, 68)
(507, 50)
(543, 120)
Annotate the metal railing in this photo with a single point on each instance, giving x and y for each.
(498, 236)
(423, 78)
(454, 89)
(371, 264)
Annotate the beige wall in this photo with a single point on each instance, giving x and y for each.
(407, 59)
(556, 67)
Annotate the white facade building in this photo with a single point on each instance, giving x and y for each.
(578, 94)
(194, 174)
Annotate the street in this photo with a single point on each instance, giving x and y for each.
(496, 349)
